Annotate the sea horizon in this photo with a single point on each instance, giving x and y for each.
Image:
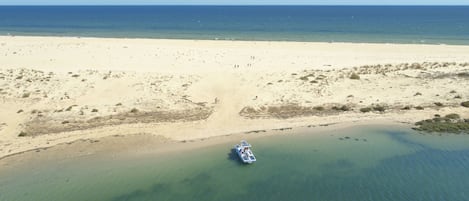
(362, 24)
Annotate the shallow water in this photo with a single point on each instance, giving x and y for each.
(360, 163)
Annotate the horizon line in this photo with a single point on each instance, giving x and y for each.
(234, 4)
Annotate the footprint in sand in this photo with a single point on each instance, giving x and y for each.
(2, 125)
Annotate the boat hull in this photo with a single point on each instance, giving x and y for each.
(245, 154)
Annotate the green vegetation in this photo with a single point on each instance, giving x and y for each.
(304, 78)
(345, 108)
(319, 108)
(70, 107)
(465, 104)
(94, 110)
(376, 108)
(342, 108)
(354, 76)
(452, 116)
(22, 134)
(451, 123)
(406, 107)
(26, 95)
(379, 108)
(419, 108)
(463, 74)
(365, 109)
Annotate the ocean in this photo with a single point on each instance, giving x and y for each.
(374, 24)
(365, 163)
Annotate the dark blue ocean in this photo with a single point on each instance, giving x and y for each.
(383, 24)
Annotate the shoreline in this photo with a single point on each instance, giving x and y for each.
(141, 145)
(57, 90)
(234, 40)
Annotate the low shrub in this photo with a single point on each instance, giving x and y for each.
(345, 108)
(452, 116)
(406, 107)
(443, 125)
(365, 109)
(70, 107)
(465, 104)
(319, 108)
(379, 108)
(342, 108)
(354, 76)
(438, 104)
(22, 134)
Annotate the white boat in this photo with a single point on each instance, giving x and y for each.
(244, 152)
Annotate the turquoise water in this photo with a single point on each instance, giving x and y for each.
(382, 24)
(360, 163)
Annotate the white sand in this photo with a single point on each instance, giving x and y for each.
(221, 76)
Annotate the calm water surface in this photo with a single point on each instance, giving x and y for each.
(360, 163)
(383, 24)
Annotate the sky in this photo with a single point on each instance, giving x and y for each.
(234, 2)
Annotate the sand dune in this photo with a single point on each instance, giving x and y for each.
(57, 90)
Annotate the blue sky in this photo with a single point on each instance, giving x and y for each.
(234, 2)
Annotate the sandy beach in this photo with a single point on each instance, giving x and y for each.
(56, 90)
